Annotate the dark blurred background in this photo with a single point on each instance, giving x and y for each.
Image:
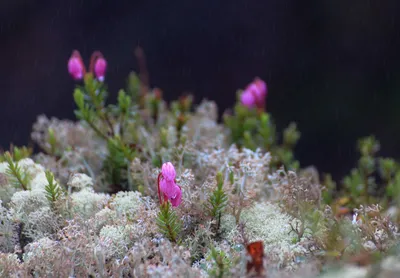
(332, 66)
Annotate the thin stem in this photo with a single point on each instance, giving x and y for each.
(108, 121)
(366, 190)
(121, 125)
(101, 134)
(102, 114)
(158, 188)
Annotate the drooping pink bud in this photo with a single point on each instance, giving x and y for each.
(176, 201)
(261, 87)
(247, 99)
(168, 171)
(167, 185)
(100, 67)
(255, 94)
(76, 68)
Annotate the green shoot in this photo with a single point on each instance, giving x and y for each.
(53, 191)
(221, 263)
(15, 174)
(168, 222)
(17, 153)
(218, 200)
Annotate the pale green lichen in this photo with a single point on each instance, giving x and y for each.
(126, 202)
(30, 167)
(80, 181)
(348, 271)
(113, 241)
(41, 223)
(10, 265)
(8, 237)
(390, 267)
(87, 203)
(104, 217)
(25, 202)
(37, 178)
(38, 249)
(266, 222)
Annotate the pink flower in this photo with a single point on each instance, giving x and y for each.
(261, 88)
(176, 201)
(168, 171)
(254, 94)
(100, 68)
(167, 185)
(76, 68)
(247, 99)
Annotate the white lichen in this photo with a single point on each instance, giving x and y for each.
(266, 222)
(25, 202)
(349, 271)
(8, 237)
(80, 181)
(87, 203)
(126, 202)
(39, 249)
(112, 241)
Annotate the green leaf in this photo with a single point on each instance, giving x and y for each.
(168, 222)
(124, 102)
(52, 140)
(133, 86)
(79, 98)
(16, 176)
(368, 146)
(17, 153)
(53, 191)
(218, 200)
(220, 265)
(291, 135)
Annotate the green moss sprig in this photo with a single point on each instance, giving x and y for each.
(17, 153)
(16, 176)
(53, 190)
(168, 222)
(220, 263)
(217, 200)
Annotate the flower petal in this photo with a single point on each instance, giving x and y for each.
(176, 201)
(169, 188)
(168, 171)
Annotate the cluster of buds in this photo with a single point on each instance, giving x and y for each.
(254, 95)
(168, 190)
(77, 69)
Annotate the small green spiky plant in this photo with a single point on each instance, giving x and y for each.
(217, 201)
(53, 190)
(168, 222)
(17, 153)
(16, 176)
(220, 265)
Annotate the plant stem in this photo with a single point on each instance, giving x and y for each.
(101, 134)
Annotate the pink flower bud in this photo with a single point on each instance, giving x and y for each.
(167, 186)
(261, 87)
(171, 191)
(176, 201)
(247, 99)
(168, 171)
(100, 68)
(255, 94)
(76, 68)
